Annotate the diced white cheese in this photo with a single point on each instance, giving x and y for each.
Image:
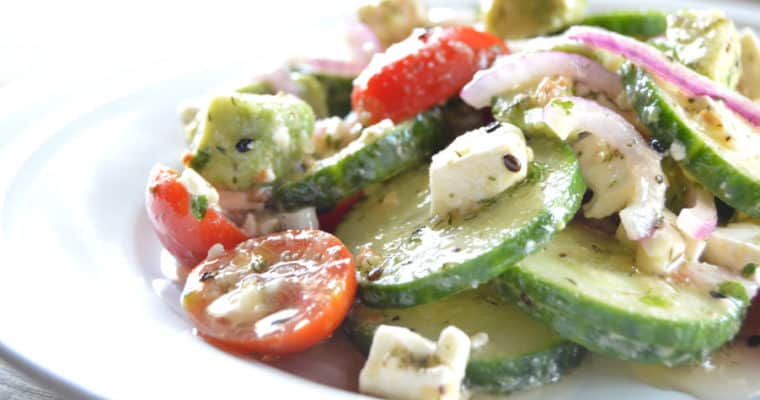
(477, 166)
(197, 186)
(303, 218)
(607, 174)
(734, 246)
(215, 251)
(749, 83)
(405, 365)
(248, 302)
(664, 250)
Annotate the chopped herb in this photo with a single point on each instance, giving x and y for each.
(257, 263)
(654, 300)
(563, 255)
(749, 270)
(571, 280)
(208, 117)
(491, 178)
(243, 145)
(199, 206)
(232, 100)
(200, 159)
(735, 290)
(458, 153)
(221, 149)
(566, 105)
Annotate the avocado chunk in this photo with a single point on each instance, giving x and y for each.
(245, 140)
(308, 88)
(707, 42)
(514, 19)
(393, 20)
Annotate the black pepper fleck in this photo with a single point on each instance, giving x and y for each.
(526, 300)
(243, 145)
(375, 274)
(512, 163)
(395, 318)
(659, 179)
(493, 126)
(658, 146)
(207, 275)
(717, 295)
(587, 196)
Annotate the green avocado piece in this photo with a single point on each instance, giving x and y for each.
(514, 19)
(707, 42)
(245, 140)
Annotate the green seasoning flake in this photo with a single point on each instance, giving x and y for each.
(200, 160)
(655, 301)
(735, 290)
(198, 206)
(749, 270)
(566, 105)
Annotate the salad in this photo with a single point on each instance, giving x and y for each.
(480, 203)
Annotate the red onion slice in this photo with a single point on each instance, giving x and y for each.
(700, 220)
(512, 71)
(653, 61)
(362, 43)
(572, 115)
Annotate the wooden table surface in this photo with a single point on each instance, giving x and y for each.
(16, 386)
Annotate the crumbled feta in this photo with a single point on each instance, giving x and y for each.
(749, 82)
(734, 246)
(248, 302)
(476, 166)
(405, 365)
(197, 186)
(607, 174)
(664, 250)
(215, 251)
(304, 218)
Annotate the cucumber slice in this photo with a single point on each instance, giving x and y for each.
(520, 352)
(338, 90)
(585, 286)
(640, 24)
(406, 257)
(704, 151)
(363, 162)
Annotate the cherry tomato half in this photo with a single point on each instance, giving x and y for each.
(184, 235)
(427, 68)
(274, 294)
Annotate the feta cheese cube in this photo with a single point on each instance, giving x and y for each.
(734, 246)
(405, 365)
(197, 186)
(664, 250)
(476, 166)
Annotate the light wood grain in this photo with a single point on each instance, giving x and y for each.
(16, 386)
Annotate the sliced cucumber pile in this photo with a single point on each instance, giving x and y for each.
(518, 352)
(365, 161)
(585, 285)
(640, 24)
(715, 147)
(406, 257)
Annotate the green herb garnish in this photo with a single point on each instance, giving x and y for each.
(749, 270)
(566, 105)
(198, 206)
(735, 290)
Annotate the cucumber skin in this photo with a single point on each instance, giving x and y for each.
(338, 92)
(410, 143)
(562, 310)
(495, 376)
(702, 162)
(498, 376)
(484, 268)
(641, 24)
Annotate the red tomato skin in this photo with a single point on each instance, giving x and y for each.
(336, 280)
(329, 220)
(186, 237)
(437, 65)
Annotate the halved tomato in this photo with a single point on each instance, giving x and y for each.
(187, 235)
(274, 294)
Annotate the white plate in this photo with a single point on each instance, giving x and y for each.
(85, 306)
